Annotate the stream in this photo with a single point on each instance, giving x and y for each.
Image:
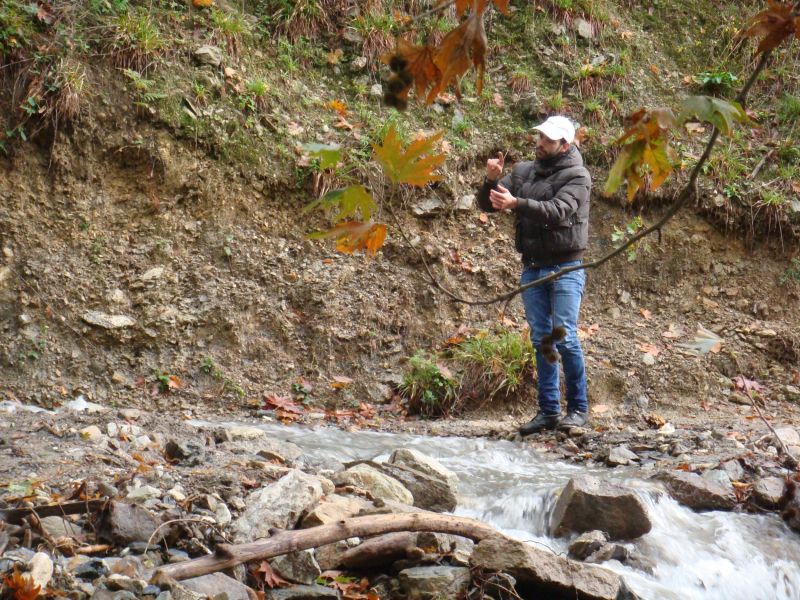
(710, 555)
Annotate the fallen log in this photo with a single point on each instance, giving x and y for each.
(230, 555)
(15, 515)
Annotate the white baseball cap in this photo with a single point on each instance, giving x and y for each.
(558, 128)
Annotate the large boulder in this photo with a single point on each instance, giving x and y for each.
(428, 491)
(432, 583)
(587, 503)
(542, 574)
(278, 505)
(696, 492)
(378, 484)
(335, 508)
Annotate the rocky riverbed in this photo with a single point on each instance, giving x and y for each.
(136, 492)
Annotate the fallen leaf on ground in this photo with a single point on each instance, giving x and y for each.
(649, 349)
(268, 575)
(340, 381)
(599, 409)
(646, 314)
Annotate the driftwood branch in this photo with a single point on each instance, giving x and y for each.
(791, 461)
(230, 555)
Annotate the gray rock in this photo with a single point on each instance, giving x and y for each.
(414, 459)
(278, 505)
(430, 493)
(542, 574)
(143, 493)
(187, 454)
(208, 55)
(266, 447)
(126, 523)
(620, 456)
(734, 469)
(297, 567)
(465, 203)
(40, 569)
(428, 207)
(587, 503)
(378, 484)
(358, 63)
(376, 90)
(586, 544)
(719, 476)
(432, 583)
(788, 435)
(209, 586)
(695, 492)
(609, 552)
(118, 582)
(330, 556)
(335, 508)
(60, 527)
(768, 492)
(458, 548)
(92, 434)
(584, 28)
(106, 321)
(302, 592)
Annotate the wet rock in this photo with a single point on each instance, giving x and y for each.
(378, 484)
(106, 321)
(768, 492)
(126, 523)
(620, 456)
(265, 447)
(695, 492)
(430, 583)
(414, 459)
(40, 569)
(734, 469)
(186, 453)
(210, 586)
(791, 513)
(609, 552)
(208, 55)
(587, 503)
(60, 527)
(542, 574)
(429, 492)
(335, 508)
(298, 567)
(586, 544)
(278, 505)
(302, 592)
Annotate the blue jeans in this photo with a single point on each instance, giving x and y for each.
(554, 304)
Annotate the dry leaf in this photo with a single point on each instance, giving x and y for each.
(337, 105)
(333, 57)
(340, 381)
(646, 314)
(483, 217)
(599, 409)
(649, 349)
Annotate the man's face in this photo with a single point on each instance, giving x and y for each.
(547, 148)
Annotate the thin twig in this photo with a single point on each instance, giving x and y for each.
(790, 459)
(687, 192)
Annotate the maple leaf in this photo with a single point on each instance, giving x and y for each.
(773, 25)
(349, 201)
(409, 166)
(460, 49)
(271, 579)
(337, 105)
(420, 66)
(720, 113)
(646, 146)
(283, 403)
(352, 236)
(22, 586)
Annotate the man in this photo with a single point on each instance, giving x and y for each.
(550, 199)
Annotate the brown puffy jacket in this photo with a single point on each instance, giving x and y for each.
(552, 214)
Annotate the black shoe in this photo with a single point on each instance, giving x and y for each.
(539, 423)
(574, 418)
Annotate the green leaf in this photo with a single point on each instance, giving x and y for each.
(348, 201)
(720, 113)
(328, 154)
(629, 157)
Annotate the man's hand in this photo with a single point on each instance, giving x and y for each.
(494, 167)
(501, 198)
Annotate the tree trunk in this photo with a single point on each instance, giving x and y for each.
(230, 555)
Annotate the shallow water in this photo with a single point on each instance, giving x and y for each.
(710, 556)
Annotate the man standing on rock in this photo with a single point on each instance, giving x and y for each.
(550, 200)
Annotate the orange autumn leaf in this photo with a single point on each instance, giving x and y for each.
(420, 66)
(21, 585)
(337, 105)
(354, 236)
(773, 25)
(462, 48)
(409, 165)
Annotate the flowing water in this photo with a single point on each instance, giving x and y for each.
(712, 555)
